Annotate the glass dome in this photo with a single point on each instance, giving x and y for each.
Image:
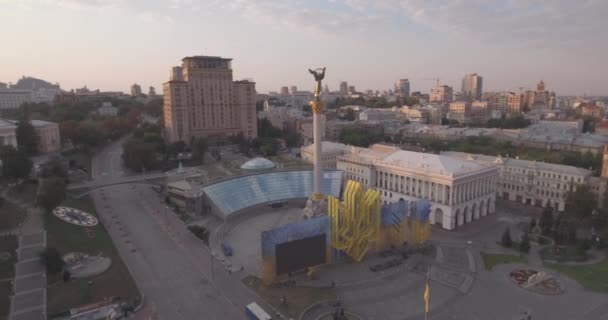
(258, 164)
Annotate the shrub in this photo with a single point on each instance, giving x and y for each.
(524, 245)
(506, 240)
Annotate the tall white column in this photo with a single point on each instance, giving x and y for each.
(318, 150)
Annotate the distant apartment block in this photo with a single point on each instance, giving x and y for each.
(442, 94)
(402, 87)
(8, 135)
(203, 101)
(136, 90)
(459, 111)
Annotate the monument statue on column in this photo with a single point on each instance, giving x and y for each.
(317, 204)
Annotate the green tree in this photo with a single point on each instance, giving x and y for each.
(532, 224)
(524, 245)
(51, 192)
(15, 163)
(51, 259)
(349, 115)
(546, 220)
(267, 130)
(581, 202)
(506, 240)
(138, 155)
(27, 138)
(199, 148)
(293, 140)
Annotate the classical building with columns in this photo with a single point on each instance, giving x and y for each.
(460, 191)
(534, 183)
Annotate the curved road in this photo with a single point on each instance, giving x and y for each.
(170, 266)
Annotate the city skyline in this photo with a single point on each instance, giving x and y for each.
(118, 43)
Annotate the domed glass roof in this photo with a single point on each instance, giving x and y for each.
(258, 164)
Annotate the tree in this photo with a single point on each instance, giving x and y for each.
(51, 193)
(15, 163)
(267, 130)
(293, 140)
(524, 245)
(532, 224)
(506, 240)
(27, 138)
(581, 202)
(546, 220)
(199, 148)
(51, 259)
(55, 167)
(138, 155)
(349, 115)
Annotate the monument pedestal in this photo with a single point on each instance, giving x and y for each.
(315, 206)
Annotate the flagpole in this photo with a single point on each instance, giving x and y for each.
(428, 277)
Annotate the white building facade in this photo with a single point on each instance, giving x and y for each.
(530, 182)
(459, 191)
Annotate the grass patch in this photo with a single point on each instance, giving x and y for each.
(9, 245)
(10, 216)
(298, 298)
(490, 260)
(593, 277)
(566, 253)
(115, 282)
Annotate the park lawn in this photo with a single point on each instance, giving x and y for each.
(7, 268)
(298, 298)
(490, 260)
(115, 282)
(10, 216)
(593, 277)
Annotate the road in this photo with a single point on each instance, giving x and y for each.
(170, 266)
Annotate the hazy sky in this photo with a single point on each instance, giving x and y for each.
(110, 44)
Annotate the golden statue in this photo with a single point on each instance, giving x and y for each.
(316, 104)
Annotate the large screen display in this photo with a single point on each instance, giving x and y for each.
(299, 254)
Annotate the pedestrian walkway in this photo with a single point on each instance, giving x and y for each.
(29, 285)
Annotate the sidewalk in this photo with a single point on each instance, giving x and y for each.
(29, 285)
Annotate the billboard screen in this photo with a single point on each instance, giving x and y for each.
(300, 254)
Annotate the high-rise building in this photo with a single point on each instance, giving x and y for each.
(343, 88)
(136, 90)
(284, 90)
(293, 89)
(351, 89)
(151, 91)
(472, 87)
(402, 87)
(442, 94)
(207, 103)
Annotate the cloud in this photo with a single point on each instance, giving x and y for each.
(153, 17)
(297, 16)
(86, 4)
(539, 22)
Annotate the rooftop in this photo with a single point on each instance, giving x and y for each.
(517, 163)
(207, 58)
(417, 161)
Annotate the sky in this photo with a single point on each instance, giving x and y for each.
(111, 44)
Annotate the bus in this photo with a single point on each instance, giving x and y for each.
(254, 312)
